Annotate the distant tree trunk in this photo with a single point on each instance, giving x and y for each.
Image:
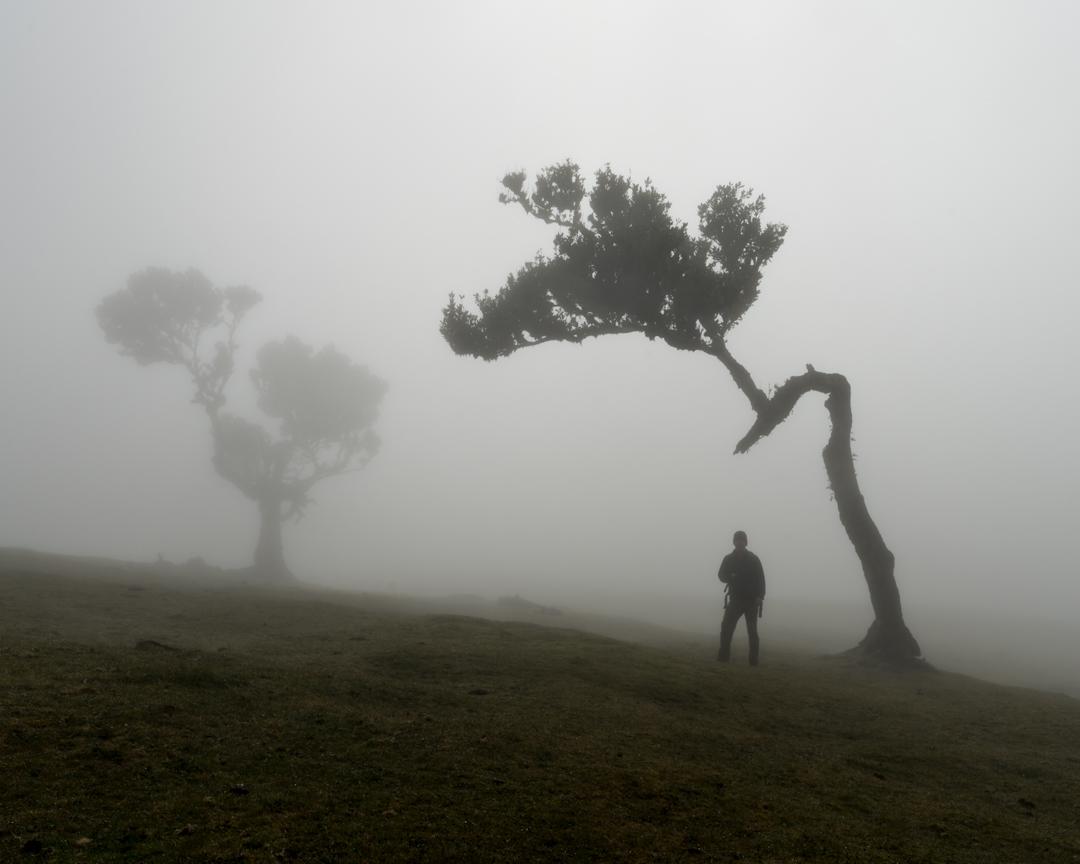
(269, 553)
(888, 636)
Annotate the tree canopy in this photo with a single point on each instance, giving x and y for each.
(322, 407)
(621, 264)
(166, 316)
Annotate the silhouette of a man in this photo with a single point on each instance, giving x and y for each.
(742, 573)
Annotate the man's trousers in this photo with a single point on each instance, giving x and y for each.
(738, 608)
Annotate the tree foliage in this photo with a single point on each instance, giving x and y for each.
(323, 406)
(164, 316)
(621, 264)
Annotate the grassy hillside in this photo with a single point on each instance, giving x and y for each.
(143, 718)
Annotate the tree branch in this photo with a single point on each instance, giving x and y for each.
(550, 217)
(577, 337)
(742, 377)
(774, 411)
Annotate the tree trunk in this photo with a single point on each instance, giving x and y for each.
(888, 636)
(269, 553)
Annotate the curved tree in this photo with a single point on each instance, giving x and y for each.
(321, 405)
(622, 264)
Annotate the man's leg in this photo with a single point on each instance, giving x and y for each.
(751, 632)
(727, 630)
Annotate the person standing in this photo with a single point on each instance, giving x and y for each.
(742, 573)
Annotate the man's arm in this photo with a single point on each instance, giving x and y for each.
(724, 573)
(761, 589)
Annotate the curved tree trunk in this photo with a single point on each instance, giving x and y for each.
(269, 553)
(888, 636)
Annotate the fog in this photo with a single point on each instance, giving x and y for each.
(343, 159)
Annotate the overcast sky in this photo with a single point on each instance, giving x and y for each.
(343, 159)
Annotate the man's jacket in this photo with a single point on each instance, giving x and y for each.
(742, 572)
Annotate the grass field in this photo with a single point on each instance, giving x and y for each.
(149, 716)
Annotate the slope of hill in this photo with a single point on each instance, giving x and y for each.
(146, 718)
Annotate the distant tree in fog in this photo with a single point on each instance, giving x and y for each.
(321, 405)
(621, 264)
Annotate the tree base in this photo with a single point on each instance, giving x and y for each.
(892, 645)
(278, 574)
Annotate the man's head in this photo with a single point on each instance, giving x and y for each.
(739, 539)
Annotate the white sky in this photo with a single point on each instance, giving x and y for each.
(344, 159)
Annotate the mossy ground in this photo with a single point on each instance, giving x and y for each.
(141, 720)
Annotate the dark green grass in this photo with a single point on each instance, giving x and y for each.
(302, 726)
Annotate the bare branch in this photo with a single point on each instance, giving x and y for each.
(742, 377)
(778, 408)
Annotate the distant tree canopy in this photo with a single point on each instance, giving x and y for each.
(321, 405)
(622, 264)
